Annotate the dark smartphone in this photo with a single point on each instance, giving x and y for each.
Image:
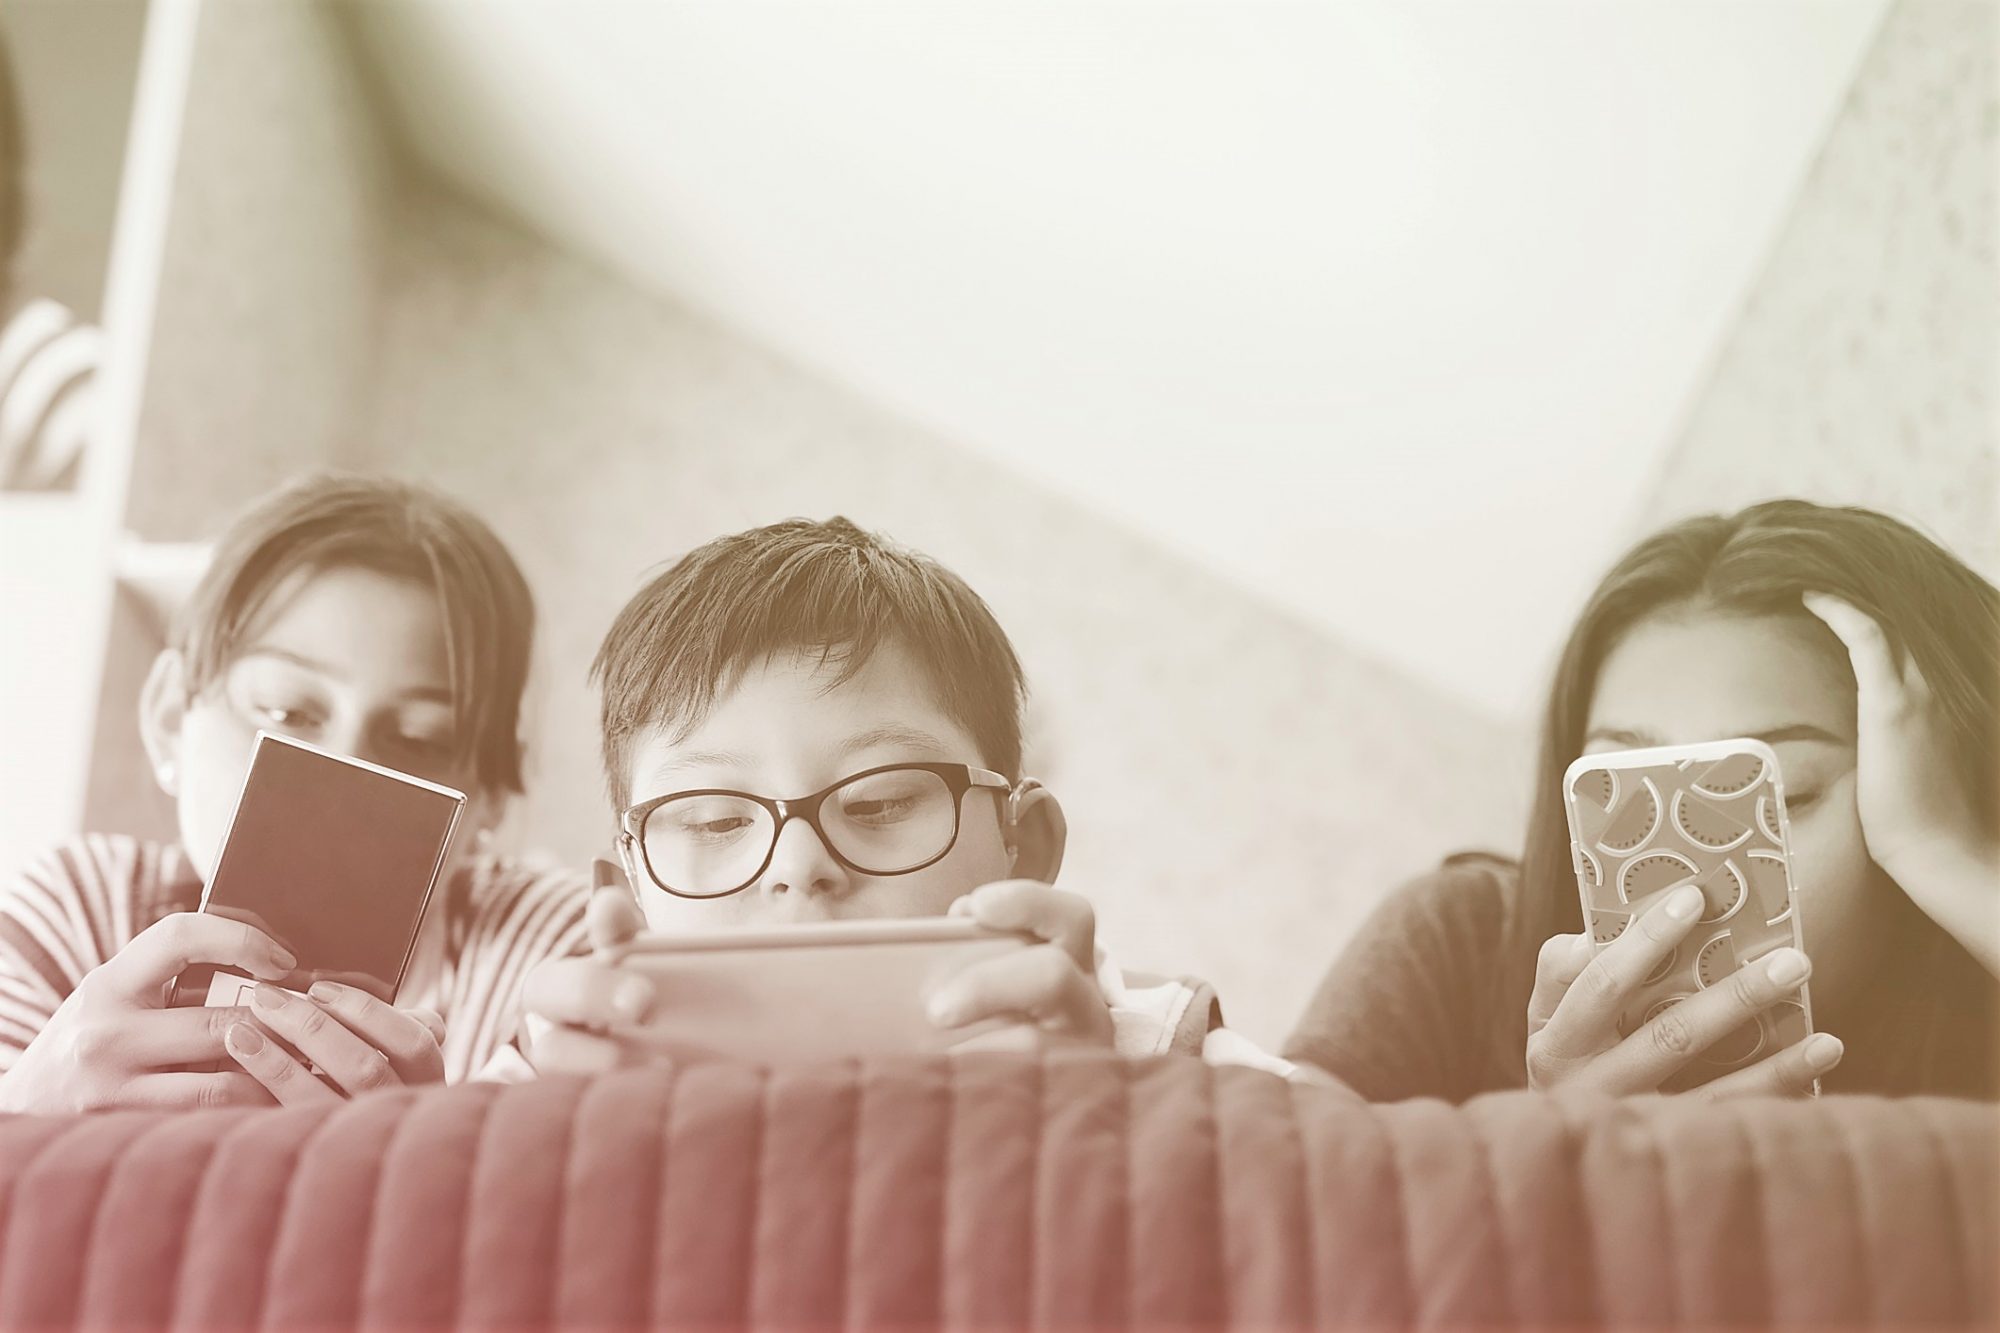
(335, 859)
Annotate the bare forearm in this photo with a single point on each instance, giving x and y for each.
(1961, 893)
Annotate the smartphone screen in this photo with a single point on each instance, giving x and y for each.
(332, 857)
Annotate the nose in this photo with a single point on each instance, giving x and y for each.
(801, 864)
(349, 737)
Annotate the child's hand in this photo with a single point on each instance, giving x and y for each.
(1049, 990)
(114, 1043)
(357, 1043)
(1917, 819)
(1573, 1039)
(573, 1001)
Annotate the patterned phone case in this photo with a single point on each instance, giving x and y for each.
(1643, 822)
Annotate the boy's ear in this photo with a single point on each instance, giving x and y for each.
(628, 866)
(163, 705)
(1038, 835)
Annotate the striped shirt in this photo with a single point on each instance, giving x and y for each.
(78, 905)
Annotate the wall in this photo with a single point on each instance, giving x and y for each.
(263, 343)
(73, 66)
(1240, 789)
(1865, 365)
(262, 346)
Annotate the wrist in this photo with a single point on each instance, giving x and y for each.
(1958, 888)
(1946, 872)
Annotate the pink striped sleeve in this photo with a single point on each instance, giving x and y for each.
(67, 912)
(519, 916)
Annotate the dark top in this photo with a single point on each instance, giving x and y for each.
(1430, 1000)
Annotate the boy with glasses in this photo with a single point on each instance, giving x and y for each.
(817, 658)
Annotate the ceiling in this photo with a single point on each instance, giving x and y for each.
(1387, 311)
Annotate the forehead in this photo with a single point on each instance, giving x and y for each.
(793, 717)
(1692, 676)
(364, 623)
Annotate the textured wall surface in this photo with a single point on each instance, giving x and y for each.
(1239, 788)
(262, 346)
(262, 341)
(1863, 367)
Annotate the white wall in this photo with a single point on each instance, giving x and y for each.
(1323, 296)
(1865, 365)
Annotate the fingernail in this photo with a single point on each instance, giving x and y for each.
(1685, 903)
(1787, 967)
(283, 960)
(633, 998)
(326, 992)
(945, 1010)
(244, 1039)
(268, 997)
(1823, 1051)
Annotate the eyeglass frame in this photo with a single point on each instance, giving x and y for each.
(958, 778)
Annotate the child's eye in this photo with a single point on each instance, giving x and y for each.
(287, 717)
(714, 828)
(424, 747)
(707, 819)
(885, 811)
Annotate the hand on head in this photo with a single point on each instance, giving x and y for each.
(1918, 818)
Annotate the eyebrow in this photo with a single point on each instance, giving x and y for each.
(694, 759)
(1797, 731)
(891, 735)
(426, 693)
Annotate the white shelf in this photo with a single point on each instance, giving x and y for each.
(159, 575)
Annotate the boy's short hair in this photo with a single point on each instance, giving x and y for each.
(826, 587)
(334, 521)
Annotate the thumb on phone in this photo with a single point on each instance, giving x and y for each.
(613, 916)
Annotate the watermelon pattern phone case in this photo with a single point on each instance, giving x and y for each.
(1643, 822)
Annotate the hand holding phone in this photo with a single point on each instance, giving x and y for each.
(1000, 973)
(1574, 1034)
(333, 857)
(334, 1042)
(115, 1042)
(1690, 971)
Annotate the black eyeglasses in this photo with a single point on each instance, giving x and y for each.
(891, 820)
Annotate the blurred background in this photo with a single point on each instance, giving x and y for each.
(1284, 374)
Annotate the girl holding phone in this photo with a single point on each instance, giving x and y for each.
(1868, 657)
(368, 617)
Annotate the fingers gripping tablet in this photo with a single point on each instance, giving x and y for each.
(822, 991)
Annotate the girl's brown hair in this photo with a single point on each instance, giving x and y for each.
(1930, 605)
(397, 529)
